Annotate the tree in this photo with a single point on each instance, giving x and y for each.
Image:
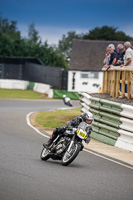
(33, 34)
(6, 45)
(51, 56)
(11, 44)
(65, 44)
(9, 28)
(107, 33)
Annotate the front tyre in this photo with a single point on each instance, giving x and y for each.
(44, 154)
(71, 155)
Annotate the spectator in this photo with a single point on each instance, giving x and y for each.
(113, 57)
(107, 57)
(111, 46)
(128, 58)
(120, 53)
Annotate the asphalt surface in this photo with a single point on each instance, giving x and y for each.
(24, 176)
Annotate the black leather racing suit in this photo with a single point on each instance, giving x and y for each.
(74, 123)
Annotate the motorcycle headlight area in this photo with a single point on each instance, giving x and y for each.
(82, 134)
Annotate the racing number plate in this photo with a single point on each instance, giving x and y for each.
(82, 134)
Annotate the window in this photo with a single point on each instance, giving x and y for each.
(94, 75)
(90, 75)
(84, 75)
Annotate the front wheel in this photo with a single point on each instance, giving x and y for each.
(44, 154)
(71, 155)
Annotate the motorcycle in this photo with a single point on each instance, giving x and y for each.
(66, 146)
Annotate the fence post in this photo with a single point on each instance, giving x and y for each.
(117, 94)
(128, 85)
(109, 81)
(105, 84)
(123, 84)
(113, 83)
(103, 87)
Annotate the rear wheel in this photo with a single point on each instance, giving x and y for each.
(71, 155)
(44, 154)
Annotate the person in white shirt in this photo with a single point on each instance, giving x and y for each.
(128, 59)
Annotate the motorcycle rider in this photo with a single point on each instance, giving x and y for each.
(67, 100)
(85, 117)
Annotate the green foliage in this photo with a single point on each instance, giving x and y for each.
(12, 45)
(107, 33)
(65, 44)
(33, 34)
(9, 28)
(6, 45)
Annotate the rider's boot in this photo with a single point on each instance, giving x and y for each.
(48, 143)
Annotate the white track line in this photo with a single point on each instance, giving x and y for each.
(108, 158)
(29, 124)
(96, 154)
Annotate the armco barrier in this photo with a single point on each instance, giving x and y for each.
(41, 88)
(13, 84)
(113, 122)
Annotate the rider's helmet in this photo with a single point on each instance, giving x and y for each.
(64, 96)
(87, 117)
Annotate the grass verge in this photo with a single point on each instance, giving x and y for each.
(55, 118)
(20, 94)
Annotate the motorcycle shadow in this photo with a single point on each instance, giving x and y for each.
(57, 162)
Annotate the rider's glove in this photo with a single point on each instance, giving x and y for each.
(89, 130)
(87, 140)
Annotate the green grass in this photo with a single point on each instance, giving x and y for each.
(55, 118)
(20, 94)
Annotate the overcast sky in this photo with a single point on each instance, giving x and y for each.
(53, 18)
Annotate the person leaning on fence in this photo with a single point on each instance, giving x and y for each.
(113, 58)
(111, 46)
(120, 53)
(128, 59)
(107, 57)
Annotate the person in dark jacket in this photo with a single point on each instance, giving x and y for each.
(85, 117)
(113, 58)
(120, 53)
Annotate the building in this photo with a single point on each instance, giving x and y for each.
(86, 62)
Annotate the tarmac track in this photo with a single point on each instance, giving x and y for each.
(24, 176)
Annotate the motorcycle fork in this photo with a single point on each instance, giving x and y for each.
(71, 143)
(54, 143)
(56, 139)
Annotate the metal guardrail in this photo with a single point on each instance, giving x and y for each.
(113, 122)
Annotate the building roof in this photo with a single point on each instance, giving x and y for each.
(88, 55)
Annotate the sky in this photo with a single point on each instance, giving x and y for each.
(53, 18)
